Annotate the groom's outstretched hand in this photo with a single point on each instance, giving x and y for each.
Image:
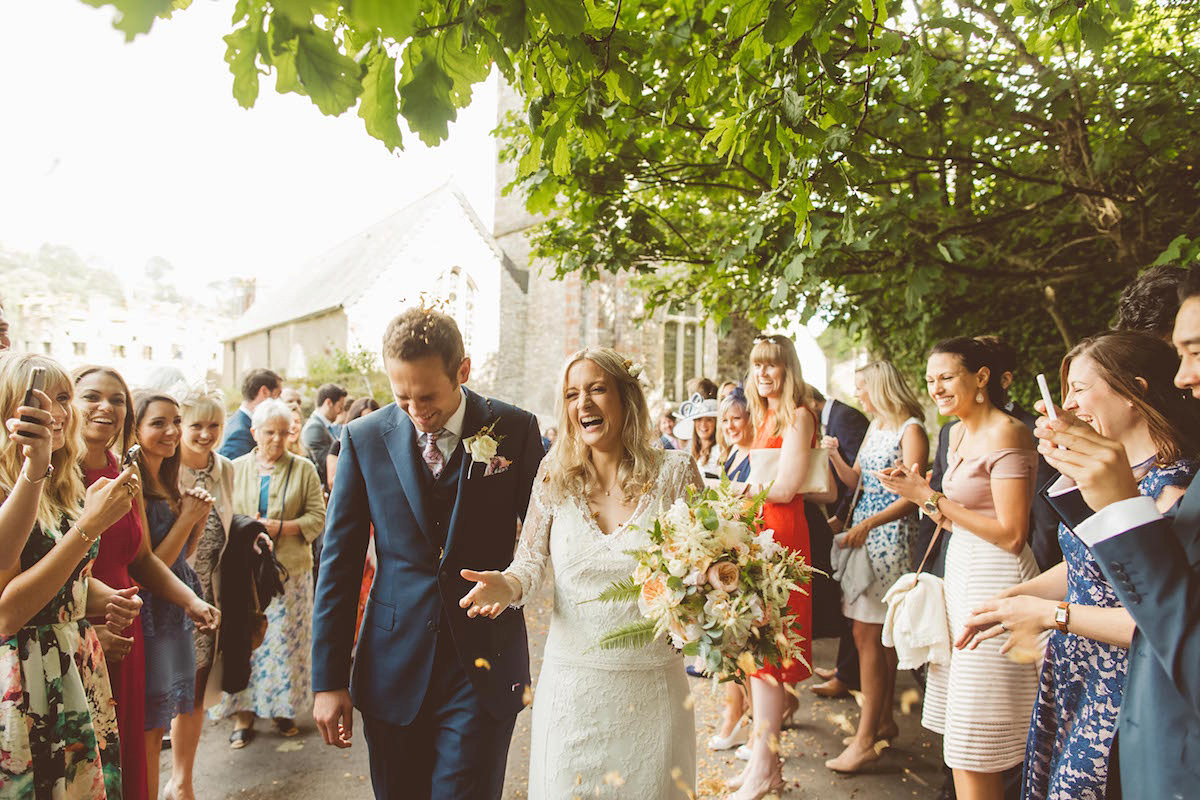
(494, 591)
(334, 713)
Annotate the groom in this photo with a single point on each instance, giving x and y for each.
(438, 692)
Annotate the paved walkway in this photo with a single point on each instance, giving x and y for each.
(303, 768)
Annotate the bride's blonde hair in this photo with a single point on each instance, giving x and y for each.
(62, 492)
(568, 468)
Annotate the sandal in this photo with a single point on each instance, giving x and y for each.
(286, 727)
(240, 738)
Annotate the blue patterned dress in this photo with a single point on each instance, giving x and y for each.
(167, 631)
(1075, 716)
(889, 546)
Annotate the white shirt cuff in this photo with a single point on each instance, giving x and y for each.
(1117, 518)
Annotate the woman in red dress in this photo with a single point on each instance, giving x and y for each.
(779, 402)
(103, 401)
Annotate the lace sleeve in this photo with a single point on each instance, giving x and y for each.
(682, 472)
(533, 548)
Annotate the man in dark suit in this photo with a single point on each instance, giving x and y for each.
(258, 385)
(442, 475)
(1153, 564)
(849, 426)
(319, 431)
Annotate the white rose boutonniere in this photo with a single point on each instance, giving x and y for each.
(483, 445)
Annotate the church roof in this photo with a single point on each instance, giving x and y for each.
(342, 274)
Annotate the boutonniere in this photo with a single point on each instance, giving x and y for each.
(482, 447)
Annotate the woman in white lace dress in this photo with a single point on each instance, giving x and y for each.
(606, 723)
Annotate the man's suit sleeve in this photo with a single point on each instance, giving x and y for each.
(316, 438)
(237, 443)
(1154, 579)
(531, 458)
(852, 430)
(347, 531)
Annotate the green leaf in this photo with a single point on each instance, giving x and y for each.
(1172, 252)
(621, 591)
(566, 17)
(135, 16)
(331, 78)
(511, 24)
(561, 164)
(425, 97)
(379, 106)
(395, 19)
(241, 53)
(632, 636)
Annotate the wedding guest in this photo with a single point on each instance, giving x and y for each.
(291, 396)
(124, 561)
(702, 386)
(56, 670)
(1150, 560)
(981, 701)
(1149, 304)
(698, 427)
(666, 429)
(549, 436)
(359, 408)
(284, 492)
(203, 468)
(1120, 383)
(779, 401)
(735, 436)
(294, 445)
(321, 430)
(257, 386)
(174, 520)
(848, 425)
(726, 388)
(593, 499)
(886, 525)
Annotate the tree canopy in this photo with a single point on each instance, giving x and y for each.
(908, 171)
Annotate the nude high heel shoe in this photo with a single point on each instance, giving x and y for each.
(739, 734)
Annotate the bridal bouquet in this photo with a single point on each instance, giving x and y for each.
(714, 584)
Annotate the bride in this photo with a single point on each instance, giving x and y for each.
(606, 723)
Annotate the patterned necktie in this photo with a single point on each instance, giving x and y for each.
(432, 455)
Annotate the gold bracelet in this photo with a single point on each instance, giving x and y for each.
(83, 535)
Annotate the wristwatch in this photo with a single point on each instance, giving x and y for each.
(1062, 616)
(930, 506)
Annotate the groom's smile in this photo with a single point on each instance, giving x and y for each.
(426, 389)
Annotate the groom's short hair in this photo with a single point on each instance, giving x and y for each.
(421, 332)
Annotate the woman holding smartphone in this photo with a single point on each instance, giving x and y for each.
(124, 561)
(60, 731)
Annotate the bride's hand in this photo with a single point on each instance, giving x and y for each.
(492, 594)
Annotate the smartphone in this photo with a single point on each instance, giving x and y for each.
(131, 455)
(1045, 389)
(37, 380)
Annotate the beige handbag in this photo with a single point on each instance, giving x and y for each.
(764, 468)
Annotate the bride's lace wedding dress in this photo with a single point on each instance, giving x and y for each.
(606, 723)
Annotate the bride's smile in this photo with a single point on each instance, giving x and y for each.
(594, 405)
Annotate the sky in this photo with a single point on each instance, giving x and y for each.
(125, 151)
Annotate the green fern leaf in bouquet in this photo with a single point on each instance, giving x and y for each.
(622, 591)
(632, 636)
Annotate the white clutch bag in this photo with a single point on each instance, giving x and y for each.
(764, 468)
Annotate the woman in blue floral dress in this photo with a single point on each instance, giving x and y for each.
(58, 724)
(886, 525)
(1121, 383)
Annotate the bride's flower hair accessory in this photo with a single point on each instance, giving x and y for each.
(633, 368)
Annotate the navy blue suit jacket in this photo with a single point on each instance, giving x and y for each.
(238, 440)
(1155, 571)
(849, 425)
(417, 584)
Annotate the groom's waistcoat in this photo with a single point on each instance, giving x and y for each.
(442, 493)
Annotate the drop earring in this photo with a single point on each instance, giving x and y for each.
(979, 396)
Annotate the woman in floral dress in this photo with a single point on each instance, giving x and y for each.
(1122, 384)
(58, 727)
(886, 525)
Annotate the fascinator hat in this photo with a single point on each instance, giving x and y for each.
(695, 408)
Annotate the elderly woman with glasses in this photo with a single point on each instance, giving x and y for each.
(283, 491)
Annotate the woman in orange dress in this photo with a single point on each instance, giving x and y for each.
(779, 402)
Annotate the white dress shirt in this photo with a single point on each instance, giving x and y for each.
(451, 434)
(1117, 518)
